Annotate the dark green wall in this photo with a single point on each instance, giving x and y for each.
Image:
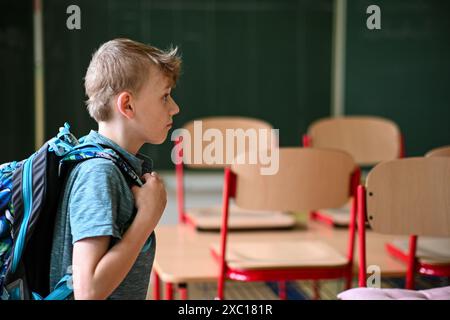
(16, 80)
(268, 59)
(402, 71)
(265, 59)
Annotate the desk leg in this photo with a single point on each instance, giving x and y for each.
(316, 289)
(349, 280)
(169, 291)
(282, 290)
(156, 288)
(182, 288)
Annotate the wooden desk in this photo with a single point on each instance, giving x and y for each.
(183, 254)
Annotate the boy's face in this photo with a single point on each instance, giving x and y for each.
(155, 108)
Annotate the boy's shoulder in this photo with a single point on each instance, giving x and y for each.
(95, 166)
(97, 173)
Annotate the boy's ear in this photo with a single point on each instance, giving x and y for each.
(124, 104)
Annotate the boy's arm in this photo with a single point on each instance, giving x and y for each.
(97, 271)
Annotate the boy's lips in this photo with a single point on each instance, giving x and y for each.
(170, 125)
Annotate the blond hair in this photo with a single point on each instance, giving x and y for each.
(124, 64)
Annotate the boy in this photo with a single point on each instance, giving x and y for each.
(128, 85)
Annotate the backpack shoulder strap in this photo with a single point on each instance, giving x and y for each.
(72, 151)
(89, 151)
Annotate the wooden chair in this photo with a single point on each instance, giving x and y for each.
(439, 152)
(209, 218)
(407, 197)
(308, 179)
(433, 254)
(370, 140)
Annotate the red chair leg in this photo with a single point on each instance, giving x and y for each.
(169, 291)
(349, 280)
(220, 287)
(282, 290)
(156, 287)
(229, 189)
(411, 263)
(316, 288)
(182, 288)
(361, 212)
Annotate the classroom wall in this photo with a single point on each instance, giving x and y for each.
(268, 59)
(402, 71)
(16, 80)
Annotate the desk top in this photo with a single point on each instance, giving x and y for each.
(184, 254)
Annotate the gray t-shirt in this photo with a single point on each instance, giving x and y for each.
(97, 201)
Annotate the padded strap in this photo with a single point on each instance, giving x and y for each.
(63, 289)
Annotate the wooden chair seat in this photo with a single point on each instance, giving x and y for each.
(209, 218)
(282, 254)
(339, 216)
(434, 251)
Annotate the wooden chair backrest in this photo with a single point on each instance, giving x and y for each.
(369, 140)
(439, 152)
(410, 197)
(307, 179)
(248, 127)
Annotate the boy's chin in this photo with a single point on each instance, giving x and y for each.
(157, 141)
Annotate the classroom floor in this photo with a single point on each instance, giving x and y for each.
(295, 290)
(203, 189)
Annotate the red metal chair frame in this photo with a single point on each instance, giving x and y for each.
(308, 143)
(281, 275)
(438, 270)
(413, 265)
(179, 172)
(182, 218)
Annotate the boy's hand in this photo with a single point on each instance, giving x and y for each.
(150, 199)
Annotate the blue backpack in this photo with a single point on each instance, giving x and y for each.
(29, 194)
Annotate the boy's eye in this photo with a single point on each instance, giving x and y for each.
(166, 98)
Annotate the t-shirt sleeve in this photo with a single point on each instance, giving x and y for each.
(94, 200)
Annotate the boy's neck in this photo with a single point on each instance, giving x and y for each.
(120, 137)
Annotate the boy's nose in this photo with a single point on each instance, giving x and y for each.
(175, 109)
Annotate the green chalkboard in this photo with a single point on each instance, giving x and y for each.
(402, 71)
(16, 80)
(268, 59)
